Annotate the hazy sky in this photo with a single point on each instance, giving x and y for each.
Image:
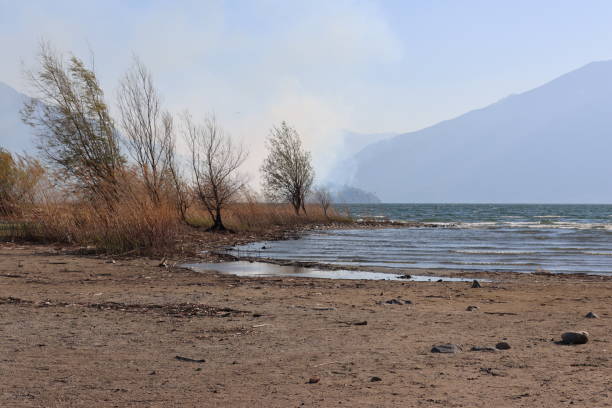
(324, 66)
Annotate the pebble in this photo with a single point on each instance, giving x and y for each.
(581, 337)
(502, 345)
(471, 308)
(313, 380)
(591, 315)
(446, 348)
(476, 284)
(375, 379)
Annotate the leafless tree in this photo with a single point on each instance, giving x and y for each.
(287, 170)
(180, 196)
(323, 197)
(147, 128)
(215, 162)
(76, 134)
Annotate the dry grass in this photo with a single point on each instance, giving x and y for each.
(130, 227)
(255, 216)
(136, 226)
(130, 222)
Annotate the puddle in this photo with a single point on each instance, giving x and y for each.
(263, 269)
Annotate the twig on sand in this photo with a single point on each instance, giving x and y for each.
(189, 360)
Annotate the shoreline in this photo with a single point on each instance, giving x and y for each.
(82, 331)
(216, 255)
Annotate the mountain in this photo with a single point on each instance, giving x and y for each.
(14, 135)
(351, 195)
(551, 144)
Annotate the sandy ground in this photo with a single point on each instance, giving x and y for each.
(64, 343)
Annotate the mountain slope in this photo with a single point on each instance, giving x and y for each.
(14, 135)
(550, 144)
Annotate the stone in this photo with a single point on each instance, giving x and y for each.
(406, 276)
(476, 284)
(375, 379)
(502, 345)
(580, 337)
(591, 315)
(471, 308)
(487, 349)
(313, 380)
(446, 348)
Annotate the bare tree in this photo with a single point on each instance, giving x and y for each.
(323, 197)
(287, 170)
(76, 134)
(215, 161)
(147, 128)
(180, 194)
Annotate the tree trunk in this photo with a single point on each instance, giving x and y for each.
(296, 206)
(218, 224)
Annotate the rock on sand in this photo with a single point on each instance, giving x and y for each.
(580, 337)
(446, 348)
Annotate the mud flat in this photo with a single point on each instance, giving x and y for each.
(93, 331)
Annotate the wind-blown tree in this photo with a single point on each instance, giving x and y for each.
(215, 161)
(287, 171)
(76, 134)
(147, 128)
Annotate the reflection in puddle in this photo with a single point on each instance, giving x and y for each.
(263, 269)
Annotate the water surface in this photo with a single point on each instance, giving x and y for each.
(264, 269)
(522, 238)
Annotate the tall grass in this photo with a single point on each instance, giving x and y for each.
(254, 216)
(136, 225)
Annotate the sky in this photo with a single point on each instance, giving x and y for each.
(325, 66)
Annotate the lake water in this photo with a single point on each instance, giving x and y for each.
(522, 238)
(264, 269)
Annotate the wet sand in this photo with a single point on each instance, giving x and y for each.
(82, 331)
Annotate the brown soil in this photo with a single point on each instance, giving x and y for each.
(82, 331)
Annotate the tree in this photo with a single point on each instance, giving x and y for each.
(323, 196)
(147, 128)
(76, 134)
(20, 178)
(287, 170)
(180, 196)
(215, 161)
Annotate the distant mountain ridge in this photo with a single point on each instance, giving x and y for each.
(14, 134)
(550, 144)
